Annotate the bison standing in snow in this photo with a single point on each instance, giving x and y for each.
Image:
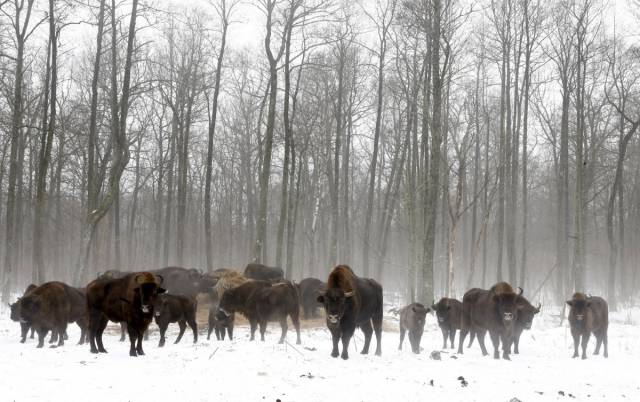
(449, 314)
(526, 313)
(15, 316)
(350, 302)
(588, 314)
(261, 302)
(172, 308)
(130, 299)
(412, 320)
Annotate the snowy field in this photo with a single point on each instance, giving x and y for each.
(265, 371)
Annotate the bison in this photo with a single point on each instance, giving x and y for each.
(526, 313)
(350, 302)
(172, 308)
(496, 311)
(449, 314)
(15, 316)
(588, 314)
(130, 299)
(263, 273)
(47, 308)
(260, 302)
(183, 281)
(308, 290)
(220, 323)
(412, 320)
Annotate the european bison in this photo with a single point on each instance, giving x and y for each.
(260, 302)
(183, 281)
(412, 320)
(526, 313)
(129, 299)
(350, 302)
(15, 316)
(449, 315)
(308, 290)
(172, 308)
(588, 314)
(220, 323)
(116, 274)
(496, 311)
(263, 273)
(47, 308)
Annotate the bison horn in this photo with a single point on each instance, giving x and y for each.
(539, 306)
(348, 294)
(159, 280)
(520, 289)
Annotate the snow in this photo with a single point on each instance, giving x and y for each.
(255, 371)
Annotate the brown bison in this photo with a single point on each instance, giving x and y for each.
(308, 291)
(449, 314)
(129, 299)
(172, 308)
(588, 314)
(263, 272)
(220, 323)
(47, 308)
(116, 274)
(412, 320)
(526, 314)
(260, 302)
(350, 302)
(15, 316)
(495, 311)
(184, 281)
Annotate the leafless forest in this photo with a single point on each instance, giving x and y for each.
(435, 145)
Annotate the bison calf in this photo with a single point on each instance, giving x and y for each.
(172, 308)
(588, 314)
(412, 320)
(220, 323)
(449, 315)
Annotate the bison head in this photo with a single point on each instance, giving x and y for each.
(507, 307)
(526, 313)
(419, 313)
(335, 301)
(26, 308)
(229, 303)
(15, 311)
(147, 290)
(161, 306)
(442, 310)
(579, 308)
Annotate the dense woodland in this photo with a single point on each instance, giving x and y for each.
(435, 145)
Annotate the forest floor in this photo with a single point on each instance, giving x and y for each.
(266, 371)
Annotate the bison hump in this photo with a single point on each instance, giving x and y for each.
(342, 277)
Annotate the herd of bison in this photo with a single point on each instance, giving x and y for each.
(262, 295)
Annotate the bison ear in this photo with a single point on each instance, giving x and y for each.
(538, 308)
(320, 298)
(348, 294)
(162, 290)
(570, 303)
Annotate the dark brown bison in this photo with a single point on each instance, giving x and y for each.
(412, 320)
(588, 314)
(47, 308)
(220, 323)
(308, 291)
(261, 302)
(263, 272)
(449, 314)
(350, 302)
(172, 308)
(15, 316)
(129, 299)
(495, 311)
(116, 274)
(526, 314)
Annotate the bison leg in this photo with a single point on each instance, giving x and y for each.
(585, 342)
(605, 341)
(452, 337)
(41, 334)
(33, 330)
(576, 343)
(377, 328)
(211, 322)
(82, 324)
(445, 334)
(402, 333)
(599, 337)
(506, 347)
(183, 326)
(296, 324)
(516, 343)
(24, 330)
(335, 337)
(163, 330)
(94, 318)
(218, 336)
(472, 337)
(284, 328)
(139, 345)
(263, 329)
(54, 336)
(368, 331)
(194, 327)
(133, 336)
(347, 333)
(463, 334)
(481, 335)
(254, 325)
(230, 331)
(123, 331)
(101, 326)
(62, 331)
(495, 339)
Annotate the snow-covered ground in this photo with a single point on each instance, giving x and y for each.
(265, 371)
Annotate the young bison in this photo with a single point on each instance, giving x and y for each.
(172, 308)
(449, 315)
(588, 314)
(412, 320)
(220, 323)
(47, 308)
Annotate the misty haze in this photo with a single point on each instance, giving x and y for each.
(312, 200)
